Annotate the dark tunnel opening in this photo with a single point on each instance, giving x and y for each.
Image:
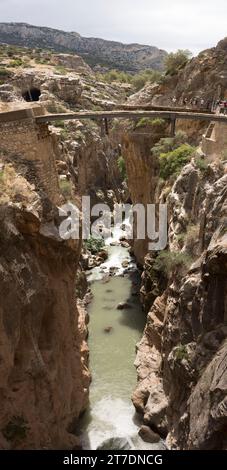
(32, 94)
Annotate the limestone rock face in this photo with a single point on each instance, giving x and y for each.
(43, 367)
(142, 171)
(71, 61)
(130, 57)
(181, 358)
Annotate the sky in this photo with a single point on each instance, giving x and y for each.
(167, 24)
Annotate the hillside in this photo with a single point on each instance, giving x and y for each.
(128, 57)
(203, 77)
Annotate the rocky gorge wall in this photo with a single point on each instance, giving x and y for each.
(142, 170)
(43, 350)
(180, 361)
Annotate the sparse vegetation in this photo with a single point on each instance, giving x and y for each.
(61, 70)
(122, 167)
(201, 164)
(55, 107)
(181, 352)
(64, 133)
(94, 245)
(66, 188)
(13, 186)
(16, 429)
(17, 62)
(150, 122)
(167, 144)
(4, 73)
(137, 80)
(60, 124)
(175, 61)
(173, 154)
(115, 76)
(192, 237)
(147, 76)
(170, 262)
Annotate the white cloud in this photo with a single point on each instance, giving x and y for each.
(169, 24)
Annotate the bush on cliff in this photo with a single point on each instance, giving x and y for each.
(147, 76)
(175, 61)
(94, 245)
(138, 80)
(155, 123)
(171, 262)
(172, 162)
(122, 168)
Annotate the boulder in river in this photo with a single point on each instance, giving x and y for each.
(115, 443)
(125, 263)
(113, 270)
(108, 329)
(148, 435)
(103, 255)
(123, 306)
(125, 244)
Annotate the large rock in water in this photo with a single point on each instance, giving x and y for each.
(148, 435)
(116, 443)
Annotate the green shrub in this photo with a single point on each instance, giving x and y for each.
(61, 70)
(167, 144)
(116, 76)
(201, 164)
(147, 76)
(170, 262)
(64, 133)
(16, 429)
(94, 245)
(4, 73)
(172, 162)
(60, 124)
(175, 61)
(138, 80)
(66, 188)
(16, 63)
(122, 167)
(150, 122)
(181, 238)
(181, 352)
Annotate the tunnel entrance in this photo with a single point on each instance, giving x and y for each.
(32, 94)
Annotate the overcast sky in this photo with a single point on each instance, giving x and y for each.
(168, 24)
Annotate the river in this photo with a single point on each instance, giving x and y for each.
(112, 354)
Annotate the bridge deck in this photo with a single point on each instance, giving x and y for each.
(135, 114)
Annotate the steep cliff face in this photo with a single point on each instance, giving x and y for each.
(181, 358)
(43, 351)
(142, 169)
(92, 161)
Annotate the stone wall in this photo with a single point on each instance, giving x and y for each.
(214, 143)
(21, 139)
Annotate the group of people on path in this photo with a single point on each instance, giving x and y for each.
(219, 106)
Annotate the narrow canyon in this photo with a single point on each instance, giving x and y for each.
(105, 344)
